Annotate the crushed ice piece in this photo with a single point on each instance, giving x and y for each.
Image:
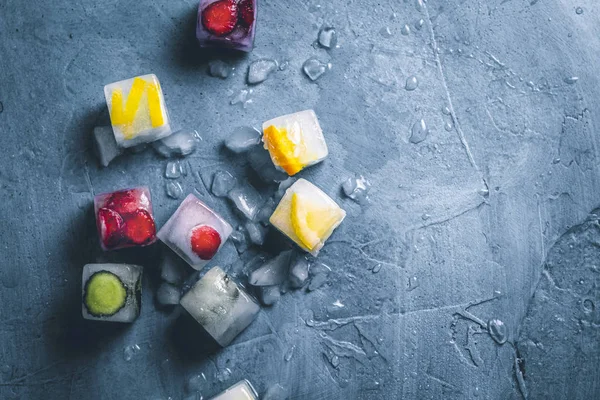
(276, 392)
(314, 68)
(219, 69)
(178, 144)
(357, 189)
(239, 240)
(411, 83)
(327, 37)
(446, 110)
(571, 80)
(405, 30)
(174, 189)
(419, 132)
(130, 351)
(319, 273)
(497, 330)
(385, 32)
(173, 170)
(256, 232)
(222, 183)
(298, 272)
(376, 268)
(167, 294)
(242, 97)
(171, 269)
(269, 295)
(246, 199)
(273, 272)
(448, 126)
(260, 161)
(105, 145)
(259, 70)
(263, 215)
(242, 139)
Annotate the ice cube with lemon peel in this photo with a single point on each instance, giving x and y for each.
(295, 141)
(307, 215)
(138, 113)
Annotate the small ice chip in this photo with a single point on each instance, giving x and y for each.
(357, 189)
(314, 68)
(276, 392)
(259, 70)
(174, 190)
(327, 37)
(256, 232)
(269, 295)
(299, 272)
(385, 32)
(239, 239)
(106, 147)
(173, 170)
(222, 183)
(274, 272)
(265, 212)
(219, 69)
(242, 139)
(179, 144)
(168, 295)
(246, 199)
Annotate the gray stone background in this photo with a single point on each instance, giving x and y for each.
(490, 220)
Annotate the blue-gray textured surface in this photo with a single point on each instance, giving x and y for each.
(479, 214)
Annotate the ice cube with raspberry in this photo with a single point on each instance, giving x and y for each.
(195, 232)
(124, 218)
(226, 23)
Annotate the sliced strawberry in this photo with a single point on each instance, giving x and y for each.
(139, 227)
(110, 227)
(205, 241)
(246, 10)
(220, 17)
(127, 201)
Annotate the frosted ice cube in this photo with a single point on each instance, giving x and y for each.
(218, 304)
(222, 183)
(242, 139)
(195, 232)
(105, 145)
(167, 294)
(261, 163)
(269, 295)
(179, 144)
(259, 70)
(274, 272)
(99, 296)
(173, 170)
(246, 199)
(219, 69)
(276, 392)
(327, 37)
(210, 32)
(316, 216)
(314, 68)
(295, 141)
(138, 113)
(299, 272)
(256, 232)
(240, 391)
(357, 189)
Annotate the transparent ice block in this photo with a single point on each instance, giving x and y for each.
(231, 25)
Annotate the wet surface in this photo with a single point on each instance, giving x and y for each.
(483, 215)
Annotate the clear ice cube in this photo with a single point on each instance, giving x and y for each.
(179, 144)
(314, 68)
(174, 190)
(105, 145)
(240, 391)
(242, 139)
(256, 232)
(357, 189)
(222, 183)
(269, 295)
(173, 170)
(327, 37)
(246, 199)
(167, 294)
(299, 272)
(273, 272)
(218, 304)
(239, 239)
(219, 69)
(259, 70)
(263, 215)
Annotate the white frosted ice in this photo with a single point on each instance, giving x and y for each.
(327, 37)
(242, 139)
(246, 199)
(256, 232)
(298, 272)
(219, 69)
(314, 68)
(167, 294)
(220, 306)
(179, 144)
(274, 272)
(259, 70)
(222, 183)
(240, 391)
(105, 145)
(269, 295)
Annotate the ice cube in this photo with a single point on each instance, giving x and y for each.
(256, 232)
(239, 240)
(222, 183)
(219, 69)
(357, 189)
(314, 68)
(171, 269)
(167, 294)
(173, 170)
(179, 144)
(261, 163)
(138, 113)
(299, 272)
(174, 190)
(105, 145)
(195, 232)
(276, 392)
(274, 272)
(319, 273)
(259, 70)
(295, 141)
(246, 199)
(111, 292)
(242, 139)
(218, 304)
(263, 215)
(269, 295)
(221, 25)
(327, 37)
(240, 391)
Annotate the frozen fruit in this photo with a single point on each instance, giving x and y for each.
(110, 225)
(139, 227)
(205, 241)
(220, 17)
(282, 149)
(246, 11)
(126, 201)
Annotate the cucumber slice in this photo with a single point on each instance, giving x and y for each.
(105, 294)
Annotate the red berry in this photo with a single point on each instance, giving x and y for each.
(205, 241)
(110, 226)
(139, 227)
(127, 201)
(220, 17)
(246, 9)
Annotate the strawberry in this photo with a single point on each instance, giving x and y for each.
(110, 226)
(139, 227)
(220, 17)
(246, 10)
(205, 241)
(127, 201)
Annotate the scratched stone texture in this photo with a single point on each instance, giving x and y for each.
(492, 219)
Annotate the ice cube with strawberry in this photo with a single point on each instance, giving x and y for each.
(226, 23)
(124, 218)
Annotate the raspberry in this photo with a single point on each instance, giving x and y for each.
(205, 241)
(139, 227)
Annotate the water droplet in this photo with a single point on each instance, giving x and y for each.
(223, 374)
(314, 68)
(446, 110)
(419, 24)
(405, 30)
(419, 5)
(283, 65)
(579, 11)
(385, 32)
(174, 189)
(448, 126)
(413, 283)
(497, 331)
(588, 306)
(335, 361)
(571, 80)
(327, 37)
(290, 353)
(357, 189)
(411, 83)
(242, 97)
(419, 132)
(376, 268)
(556, 160)
(130, 351)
